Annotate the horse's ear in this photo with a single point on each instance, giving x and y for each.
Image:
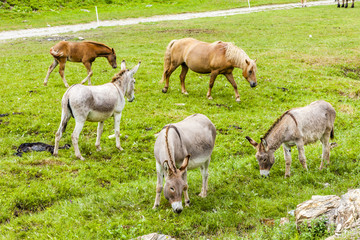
(252, 141)
(113, 51)
(123, 65)
(185, 163)
(247, 62)
(255, 60)
(134, 70)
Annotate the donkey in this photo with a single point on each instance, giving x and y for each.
(345, 5)
(84, 52)
(187, 144)
(201, 57)
(298, 126)
(96, 104)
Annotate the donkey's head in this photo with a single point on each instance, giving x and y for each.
(264, 156)
(127, 80)
(175, 184)
(112, 58)
(249, 72)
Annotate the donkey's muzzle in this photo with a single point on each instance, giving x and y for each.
(131, 99)
(177, 207)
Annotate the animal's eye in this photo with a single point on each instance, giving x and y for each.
(172, 189)
(250, 72)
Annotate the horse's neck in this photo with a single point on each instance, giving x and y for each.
(101, 50)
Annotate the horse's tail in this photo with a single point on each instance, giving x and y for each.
(56, 53)
(167, 57)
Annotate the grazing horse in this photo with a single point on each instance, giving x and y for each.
(187, 144)
(298, 126)
(96, 104)
(84, 52)
(345, 5)
(201, 57)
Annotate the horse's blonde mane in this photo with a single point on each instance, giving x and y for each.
(235, 55)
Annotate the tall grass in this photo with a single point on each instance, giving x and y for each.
(111, 193)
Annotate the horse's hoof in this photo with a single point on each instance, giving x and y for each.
(238, 100)
(186, 93)
(164, 90)
(67, 85)
(287, 175)
(210, 98)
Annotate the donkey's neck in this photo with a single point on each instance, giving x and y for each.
(120, 85)
(276, 136)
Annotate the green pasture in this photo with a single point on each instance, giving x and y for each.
(110, 195)
(41, 13)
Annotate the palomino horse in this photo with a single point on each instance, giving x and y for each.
(201, 57)
(345, 5)
(187, 144)
(298, 126)
(96, 104)
(84, 52)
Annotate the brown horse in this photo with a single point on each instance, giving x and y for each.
(84, 52)
(201, 57)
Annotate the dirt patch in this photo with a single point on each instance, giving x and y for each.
(188, 32)
(353, 73)
(46, 162)
(352, 95)
(346, 109)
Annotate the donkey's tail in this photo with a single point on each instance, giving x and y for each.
(167, 58)
(332, 135)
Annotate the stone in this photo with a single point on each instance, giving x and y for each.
(155, 236)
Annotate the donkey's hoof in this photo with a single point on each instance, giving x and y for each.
(55, 154)
(81, 158)
(98, 148)
(287, 175)
(120, 148)
(187, 203)
(45, 83)
(202, 195)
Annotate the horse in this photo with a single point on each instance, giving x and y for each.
(187, 144)
(346, 5)
(96, 104)
(201, 57)
(85, 52)
(298, 126)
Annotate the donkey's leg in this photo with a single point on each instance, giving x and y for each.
(65, 116)
(205, 174)
(159, 184)
(51, 68)
(75, 137)
(62, 69)
(99, 133)
(213, 76)
(302, 158)
(230, 78)
(287, 156)
(167, 73)
(89, 71)
(186, 194)
(117, 118)
(184, 70)
(325, 149)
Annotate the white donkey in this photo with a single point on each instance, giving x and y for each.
(298, 126)
(96, 104)
(187, 144)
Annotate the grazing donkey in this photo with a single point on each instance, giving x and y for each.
(96, 104)
(202, 57)
(345, 5)
(187, 144)
(84, 52)
(298, 126)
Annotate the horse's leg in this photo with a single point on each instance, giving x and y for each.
(99, 133)
(338, 3)
(352, 5)
(167, 73)
(213, 76)
(230, 78)
(89, 71)
(117, 118)
(346, 5)
(184, 70)
(62, 69)
(65, 116)
(51, 68)
(159, 184)
(343, 3)
(75, 137)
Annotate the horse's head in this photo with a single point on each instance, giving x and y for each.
(264, 156)
(249, 72)
(130, 88)
(175, 184)
(112, 58)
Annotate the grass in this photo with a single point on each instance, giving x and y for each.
(111, 193)
(21, 18)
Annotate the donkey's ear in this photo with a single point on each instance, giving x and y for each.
(123, 65)
(247, 62)
(265, 145)
(167, 167)
(252, 141)
(185, 163)
(134, 70)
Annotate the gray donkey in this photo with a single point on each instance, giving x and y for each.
(96, 104)
(298, 126)
(187, 144)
